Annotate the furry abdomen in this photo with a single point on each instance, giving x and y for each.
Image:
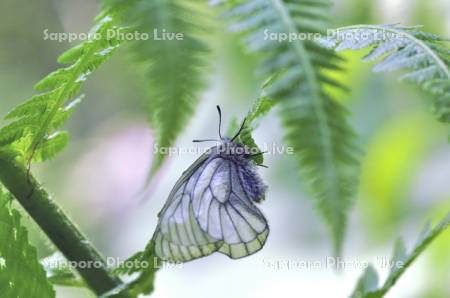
(249, 178)
(251, 182)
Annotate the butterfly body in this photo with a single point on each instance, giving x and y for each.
(211, 208)
(238, 154)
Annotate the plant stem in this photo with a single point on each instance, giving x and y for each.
(56, 224)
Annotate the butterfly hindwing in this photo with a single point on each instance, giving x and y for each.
(245, 227)
(208, 210)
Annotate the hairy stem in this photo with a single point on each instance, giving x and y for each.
(56, 224)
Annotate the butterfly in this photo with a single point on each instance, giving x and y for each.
(212, 207)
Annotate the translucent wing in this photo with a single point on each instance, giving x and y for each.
(210, 211)
(174, 236)
(225, 211)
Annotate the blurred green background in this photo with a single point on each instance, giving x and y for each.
(99, 178)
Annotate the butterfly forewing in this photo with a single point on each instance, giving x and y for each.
(208, 210)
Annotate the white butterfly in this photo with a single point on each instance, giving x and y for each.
(211, 208)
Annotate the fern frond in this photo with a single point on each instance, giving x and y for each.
(59, 272)
(21, 274)
(145, 264)
(260, 108)
(315, 123)
(368, 286)
(34, 124)
(423, 56)
(175, 67)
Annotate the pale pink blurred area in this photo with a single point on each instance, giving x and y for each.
(101, 182)
(112, 171)
(109, 175)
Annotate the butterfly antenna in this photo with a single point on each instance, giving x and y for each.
(206, 140)
(220, 121)
(240, 130)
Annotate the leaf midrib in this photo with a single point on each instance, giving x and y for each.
(61, 99)
(420, 43)
(318, 103)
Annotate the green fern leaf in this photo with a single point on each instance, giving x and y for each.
(176, 67)
(260, 108)
(368, 287)
(144, 264)
(367, 283)
(316, 125)
(51, 145)
(21, 275)
(423, 56)
(59, 271)
(34, 124)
